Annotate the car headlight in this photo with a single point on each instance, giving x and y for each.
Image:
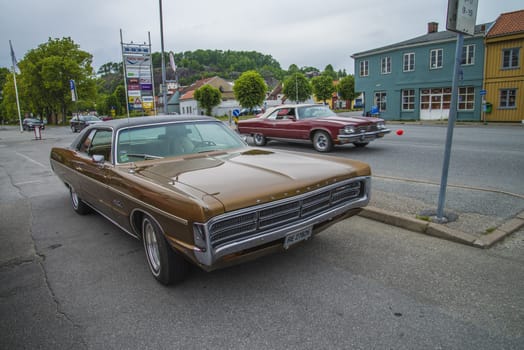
(349, 129)
(381, 125)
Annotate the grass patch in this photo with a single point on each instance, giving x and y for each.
(489, 230)
(423, 217)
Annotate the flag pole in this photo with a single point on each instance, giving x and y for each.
(16, 87)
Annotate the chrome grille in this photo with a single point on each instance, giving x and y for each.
(367, 128)
(259, 219)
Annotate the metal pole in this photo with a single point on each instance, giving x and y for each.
(125, 73)
(152, 75)
(451, 125)
(17, 101)
(164, 92)
(16, 87)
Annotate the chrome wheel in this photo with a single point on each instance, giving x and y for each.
(78, 204)
(322, 142)
(165, 264)
(151, 247)
(259, 139)
(74, 198)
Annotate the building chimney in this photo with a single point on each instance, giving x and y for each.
(432, 27)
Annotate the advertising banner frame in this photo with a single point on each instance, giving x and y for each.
(137, 65)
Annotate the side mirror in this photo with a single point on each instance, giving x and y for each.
(98, 158)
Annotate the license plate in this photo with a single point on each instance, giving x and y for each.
(296, 237)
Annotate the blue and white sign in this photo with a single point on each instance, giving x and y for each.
(236, 112)
(483, 92)
(72, 86)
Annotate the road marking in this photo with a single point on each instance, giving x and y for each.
(32, 160)
(450, 185)
(28, 182)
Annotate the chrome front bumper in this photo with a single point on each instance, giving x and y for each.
(362, 137)
(209, 255)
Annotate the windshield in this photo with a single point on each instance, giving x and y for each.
(174, 139)
(316, 111)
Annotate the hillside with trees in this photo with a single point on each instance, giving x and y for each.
(45, 96)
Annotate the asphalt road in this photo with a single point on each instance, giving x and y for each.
(78, 282)
(485, 186)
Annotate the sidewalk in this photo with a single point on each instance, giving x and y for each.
(472, 229)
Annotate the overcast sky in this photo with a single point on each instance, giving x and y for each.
(305, 33)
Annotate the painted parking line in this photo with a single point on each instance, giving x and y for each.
(32, 160)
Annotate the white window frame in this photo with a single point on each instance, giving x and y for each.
(408, 62)
(408, 100)
(514, 51)
(364, 68)
(436, 57)
(385, 65)
(466, 97)
(510, 98)
(468, 55)
(381, 98)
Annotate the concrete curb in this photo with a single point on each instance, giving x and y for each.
(441, 231)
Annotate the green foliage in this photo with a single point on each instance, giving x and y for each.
(44, 79)
(43, 83)
(329, 71)
(297, 87)
(195, 65)
(4, 74)
(346, 88)
(9, 109)
(323, 87)
(293, 68)
(111, 68)
(250, 89)
(208, 97)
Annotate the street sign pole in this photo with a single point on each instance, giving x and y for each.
(164, 87)
(462, 15)
(451, 127)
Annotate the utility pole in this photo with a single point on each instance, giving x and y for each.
(164, 89)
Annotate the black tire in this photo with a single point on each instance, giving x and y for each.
(360, 144)
(259, 140)
(73, 129)
(79, 206)
(165, 265)
(322, 142)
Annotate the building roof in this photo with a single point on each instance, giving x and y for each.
(225, 87)
(421, 40)
(508, 23)
(189, 93)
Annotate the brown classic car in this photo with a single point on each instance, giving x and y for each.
(193, 191)
(312, 123)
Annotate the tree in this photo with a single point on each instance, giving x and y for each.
(208, 97)
(346, 88)
(9, 100)
(4, 73)
(250, 89)
(323, 87)
(297, 87)
(329, 71)
(293, 68)
(45, 75)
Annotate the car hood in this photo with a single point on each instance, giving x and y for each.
(353, 120)
(251, 177)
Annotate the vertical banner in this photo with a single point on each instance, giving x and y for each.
(72, 86)
(138, 75)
